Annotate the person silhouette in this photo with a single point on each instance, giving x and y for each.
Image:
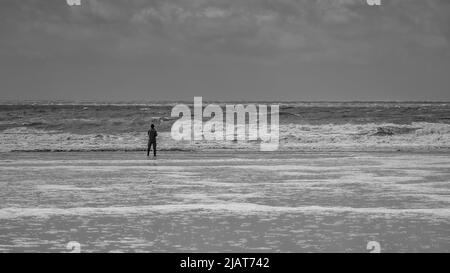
(152, 134)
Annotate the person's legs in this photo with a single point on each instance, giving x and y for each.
(154, 148)
(148, 149)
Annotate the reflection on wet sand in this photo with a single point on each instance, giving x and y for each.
(287, 202)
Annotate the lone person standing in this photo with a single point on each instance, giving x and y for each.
(152, 134)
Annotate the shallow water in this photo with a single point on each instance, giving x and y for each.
(225, 201)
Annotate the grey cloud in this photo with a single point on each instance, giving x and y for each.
(233, 27)
(327, 49)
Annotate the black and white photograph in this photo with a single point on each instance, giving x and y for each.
(225, 126)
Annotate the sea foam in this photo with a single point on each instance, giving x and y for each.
(293, 136)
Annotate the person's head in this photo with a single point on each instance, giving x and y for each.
(153, 126)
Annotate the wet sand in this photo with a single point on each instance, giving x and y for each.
(225, 201)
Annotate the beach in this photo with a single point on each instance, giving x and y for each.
(225, 200)
(225, 127)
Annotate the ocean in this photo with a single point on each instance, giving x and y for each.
(69, 126)
(346, 175)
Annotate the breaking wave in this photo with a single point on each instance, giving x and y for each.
(417, 135)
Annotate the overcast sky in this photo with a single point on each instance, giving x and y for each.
(299, 50)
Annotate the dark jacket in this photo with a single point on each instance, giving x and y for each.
(152, 134)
